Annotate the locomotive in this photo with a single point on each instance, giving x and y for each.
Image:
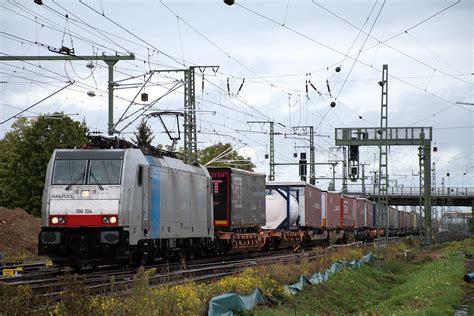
(104, 206)
(119, 206)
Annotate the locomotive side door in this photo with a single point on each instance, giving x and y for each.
(144, 189)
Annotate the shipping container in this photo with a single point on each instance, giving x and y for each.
(401, 219)
(311, 212)
(417, 219)
(281, 209)
(349, 207)
(239, 198)
(410, 220)
(333, 210)
(393, 217)
(324, 207)
(406, 220)
(370, 214)
(360, 217)
(307, 197)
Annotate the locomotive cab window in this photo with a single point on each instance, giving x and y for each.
(95, 172)
(105, 172)
(69, 172)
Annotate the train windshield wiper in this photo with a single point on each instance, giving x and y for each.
(96, 181)
(79, 176)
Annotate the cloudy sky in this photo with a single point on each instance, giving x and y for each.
(266, 52)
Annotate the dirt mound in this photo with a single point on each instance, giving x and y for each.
(18, 233)
(447, 236)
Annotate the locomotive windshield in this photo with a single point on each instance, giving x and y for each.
(96, 172)
(69, 171)
(105, 171)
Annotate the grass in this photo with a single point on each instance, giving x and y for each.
(417, 283)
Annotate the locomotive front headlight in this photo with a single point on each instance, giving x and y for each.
(105, 219)
(113, 220)
(54, 220)
(85, 194)
(62, 220)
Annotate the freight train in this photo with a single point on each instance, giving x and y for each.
(315, 214)
(118, 206)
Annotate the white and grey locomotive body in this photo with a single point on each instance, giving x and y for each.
(118, 206)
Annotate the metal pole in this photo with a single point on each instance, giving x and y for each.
(344, 169)
(421, 179)
(427, 190)
(363, 179)
(271, 177)
(383, 156)
(312, 173)
(110, 64)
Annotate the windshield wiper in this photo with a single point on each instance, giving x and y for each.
(96, 181)
(79, 176)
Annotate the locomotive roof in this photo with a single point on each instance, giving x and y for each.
(88, 154)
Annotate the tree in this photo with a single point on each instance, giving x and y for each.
(231, 159)
(143, 134)
(24, 155)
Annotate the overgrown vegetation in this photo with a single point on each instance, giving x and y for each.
(404, 281)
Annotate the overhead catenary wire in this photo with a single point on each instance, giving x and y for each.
(359, 61)
(36, 103)
(384, 42)
(244, 92)
(362, 47)
(132, 34)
